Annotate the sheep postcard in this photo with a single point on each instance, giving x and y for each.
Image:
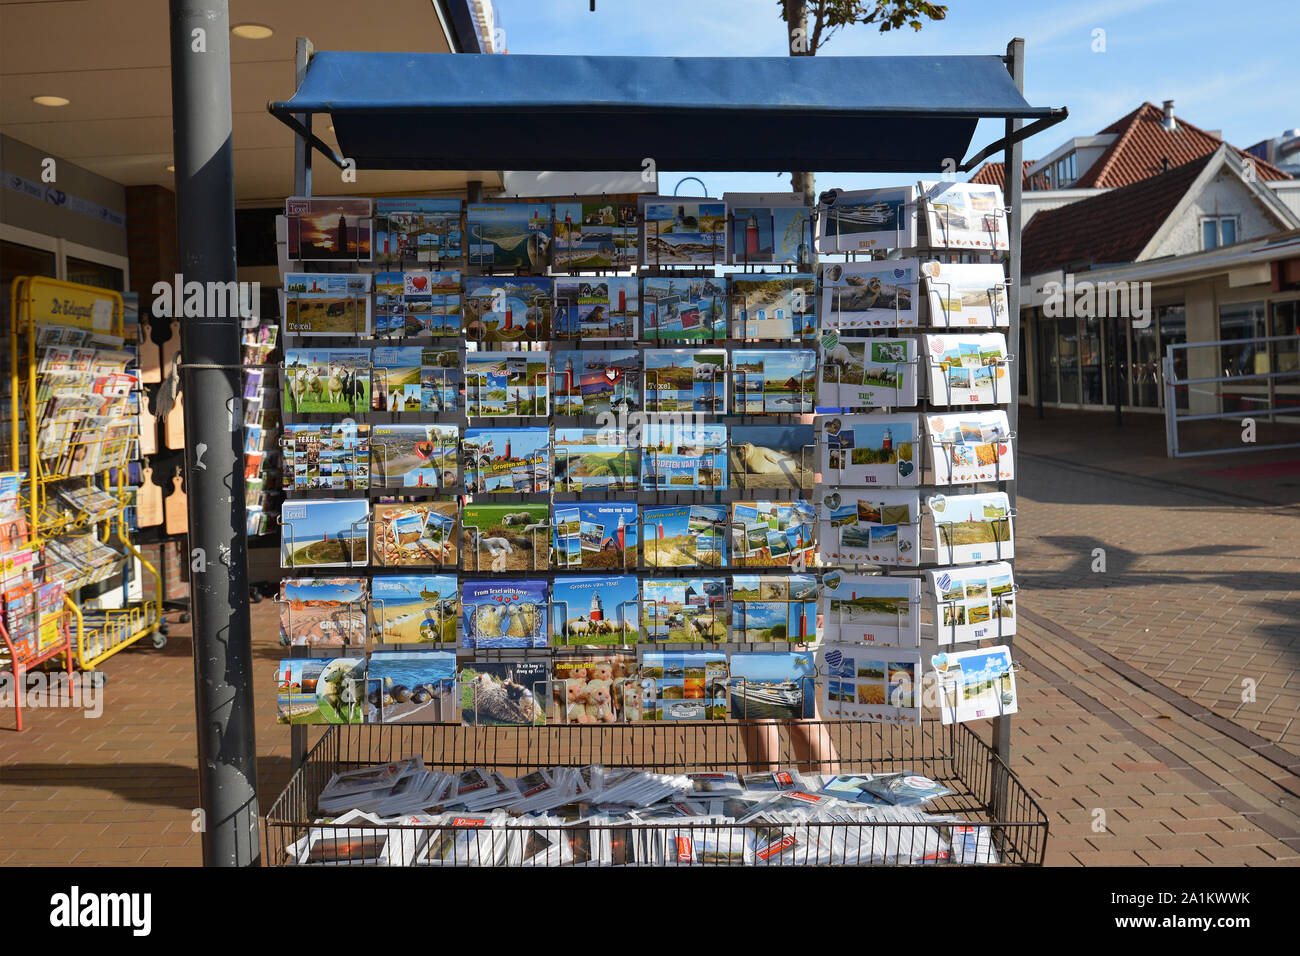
(683, 456)
(683, 610)
(774, 381)
(415, 609)
(411, 687)
(414, 305)
(508, 236)
(507, 384)
(968, 447)
(503, 693)
(329, 533)
(595, 610)
(511, 537)
(328, 303)
(966, 294)
(683, 308)
(870, 609)
(326, 457)
(867, 219)
(768, 227)
(973, 603)
(596, 382)
(865, 295)
(418, 232)
(605, 534)
(683, 232)
(507, 460)
(690, 685)
(323, 612)
(866, 373)
(335, 381)
(415, 456)
(968, 369)
(415, 534)
(593, 308)
(501, 613)
(871, 684)
(964, 215)
(595, 459)
(868, 526)
(773, 306)
(774, 608)
(771, 456)
(508, 308)
(595, 689)
(859, 450)
(971, 528)
(595, 235)
(685, 536)
(329, 229)
(321, 690)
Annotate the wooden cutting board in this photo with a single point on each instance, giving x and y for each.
(148, 500)
(150, 359)
(174, 426)
(148, 427)
(176, 505)
(169, 348)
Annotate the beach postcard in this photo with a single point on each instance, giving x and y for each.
(329, 229)
(864, 373)
(773, 685)
(415, 609)
(683, 456)
(507, 460)
(508, 236)
(411, 687)
(415, 456)
(507, 384)
(594, 459)
(592, 308)
(605, 533)
(326, 457)
(685, 536)
(686, 380)
(683, 610)
(595, 610)
(508, 308)
(774, 381)
(408, 379)
(777, 305)
(870, 609)
(330, 533)
(867, 220)
(415, 534)
(502, 613)
(970, 447)
(871, 684)
(683, 308)
(863, 450)
(772, 456)
(335, 381)
(966, 294)
(413, 305)
(971, 528)
(327, 303)
(593, 236)
(689, 685)
(976, 684)
(964, 215)
(418, 233)
(321, 690)
(772, 533)
(868, 526)
(599, 688)
(323, 612)
(683, 232)
(865, 295)
(509, 537)
(774, 608)
(596, 382)
(503, 693)
(974, 603)
(768, 227)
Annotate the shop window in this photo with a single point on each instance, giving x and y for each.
(1243, 321)
(1090, 364)
(1172, 321)
(1045, 334)
(1146, 367)
(96, 274)
(1286, 321)
(1067, 358)
(19, 260)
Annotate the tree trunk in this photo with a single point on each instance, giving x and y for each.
(796, 24)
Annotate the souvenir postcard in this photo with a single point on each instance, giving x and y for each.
(595, 689)
(685, 536)
(504, 613)
(321, 690)
(772, 534)
(867, 219)
(870, 450)
(323, 612)
(966, 294)
(681, 308)
(773, 685)
(334, 457)
(975, 684)
(509, 384)
(596, 382)
(594, 459)
(969, 528)
(968, 369)
(414, 456)
(870, 609)
(594, 610)
(769, 227)
(508, 308)
(416, 534)
(689, 685)
(327, 380)
(964, 215)
(872, 684)
(686, 380)
(596, 535)
(509, 236)
(331, 533)
(774, 382)
(328, 303)
(866, 373)
(329, 229)
(507, 460)
(683, 232)
(683, 610)
(411, 687)
(506, 537)
(511, 693)
(409, 378)
(682, 457)
(774, 608)
(415, 609)
(592, 308)
(869, 527)
(772, 456)
(865, 295)
(594, 236)
(417, 232)
(970, 447)
(973, 603)
(773, 305)
(412, 305)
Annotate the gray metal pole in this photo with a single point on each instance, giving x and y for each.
(1116, 357)
(205, 228)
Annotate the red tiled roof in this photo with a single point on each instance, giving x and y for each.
(991, 174)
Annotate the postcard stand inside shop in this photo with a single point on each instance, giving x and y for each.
(907, 125)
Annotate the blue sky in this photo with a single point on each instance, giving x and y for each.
(1226, 69)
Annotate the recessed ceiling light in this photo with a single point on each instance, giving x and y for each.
(252, 31)
(170, 167)
(50, 100)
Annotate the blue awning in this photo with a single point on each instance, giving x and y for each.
(832, 114)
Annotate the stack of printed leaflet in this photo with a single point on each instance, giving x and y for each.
(90, 504)
(370, 788)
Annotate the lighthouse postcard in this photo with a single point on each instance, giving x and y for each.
(768, 227)
(508, 309)
(329, 229)
(861, 450)
(593, 308)
(606, 535)
(596, 381)
(595, 610)
(329, 533)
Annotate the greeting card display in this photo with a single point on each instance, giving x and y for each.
(507, 460)
(417, 232)
(504, 613)
(411, 687)
(596, 382)
(683, 610)
(414, 379)
(587, 610)
(508, 308)
(412, 305)
(969, 447)
(870, 609)
(595, 689)
(415, 534)
(774, 382)
(336, 381)
(328, 229)
(964, 215)
(771, 456)
(772, 685)
(866, 373)
(683, 457)
(873, 684)
(773, 305)
(685, 536)
(772, 534)
(683, 232)
(869, 527)
(686, 380)
(773, 608)
(593, 308)
(769, 227)
(321, 690)
(324, 534)
(677, 308)
(506, 537)
(415, 609)
(688, 685)
(969, 528)
(968, 369)
(508, 236)
(862, 295)
(414, 456)
(333, 457)
(595, 235)
(870, 450)
(966, 294)
(323, 612)
(507, 384)
(973, 603)
(867, 219)
(509, 693)
(595, 535)
(329, 303)
(975, 684)
(594, 459)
